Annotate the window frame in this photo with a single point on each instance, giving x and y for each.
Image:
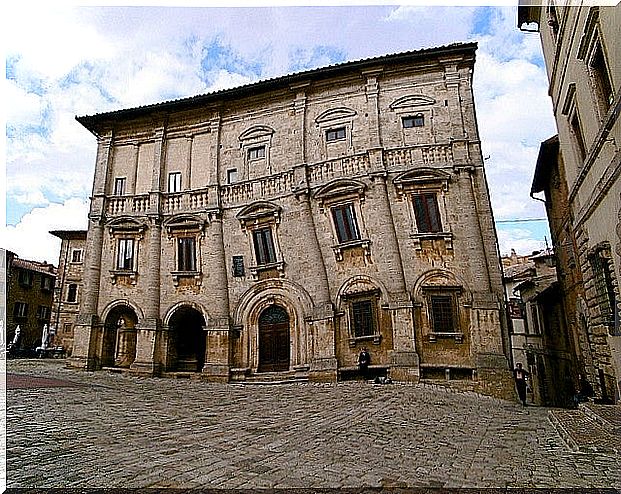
(336, 134)
(72, 289)
(345, 225)
(264, 247)
(120, 186)
(369, 302)
(125, 254)
(174, 182)
(431, 220)
(25, 278)
(45, 281)
(444, 292)
(256, 152)
(186, 260)
(232, 176)
(80, 253)
(20, 310)
(417, 120)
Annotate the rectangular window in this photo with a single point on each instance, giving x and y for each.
(576, 130)
(125, 254)
(345, 223)
(72, 292)
(601, 79)
(264, 246)
(335, 134)
(442, 314)
(605, 296)
(119, 186)
(427, 213)
(363, 318)
(25, 278)
(256, 153)
(231, 176)
(20, 310)
(534, 314)
(43, 313)
(76, 255)
(186, 254)
(415, 121)
(174, 182)
(67, 328)
(47, 283)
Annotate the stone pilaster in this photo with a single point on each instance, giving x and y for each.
(218, 345)
(404, 358)
(148, 332)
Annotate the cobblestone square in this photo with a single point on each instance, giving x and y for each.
(68, 428)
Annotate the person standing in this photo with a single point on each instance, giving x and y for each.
(520, 375)
(364, 359)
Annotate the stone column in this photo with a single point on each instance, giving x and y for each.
(405, 364)
(88, 331)
(218, 351)
(323, 366)
(149, 330)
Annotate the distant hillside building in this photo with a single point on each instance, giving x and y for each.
(69, 285)
(579, 171)
(29, 295)
(282, 226)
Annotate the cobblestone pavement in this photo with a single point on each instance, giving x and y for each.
(68, 428)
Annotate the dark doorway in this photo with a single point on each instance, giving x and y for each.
(274, 346)
(119, 337)
(186, 340)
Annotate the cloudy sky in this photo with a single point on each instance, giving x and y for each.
(63, 61)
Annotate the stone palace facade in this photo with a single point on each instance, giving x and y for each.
(282, 226)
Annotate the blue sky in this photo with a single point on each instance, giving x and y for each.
(66, 60)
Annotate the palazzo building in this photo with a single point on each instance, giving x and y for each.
(579, 173)
(282, 226)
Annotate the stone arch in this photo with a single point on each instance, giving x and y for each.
(291, 297)
(120, 321)
(360, 284)
(185, 343)
(438, 277)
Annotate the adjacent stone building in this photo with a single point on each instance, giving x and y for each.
(69, 286)
(280, 227)
(579, 172)
(29, 295)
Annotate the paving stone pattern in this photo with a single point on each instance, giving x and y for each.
(110, 430)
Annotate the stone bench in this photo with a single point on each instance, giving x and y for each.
(353, 372)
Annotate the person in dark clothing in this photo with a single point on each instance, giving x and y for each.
(364, 360)
(520, 375)
(586, 390)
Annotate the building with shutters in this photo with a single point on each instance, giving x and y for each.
(277, 228)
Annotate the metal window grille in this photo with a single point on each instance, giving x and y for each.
(363, 318)
(442, 314)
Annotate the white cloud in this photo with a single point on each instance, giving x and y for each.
(30, 239)
(519, 239)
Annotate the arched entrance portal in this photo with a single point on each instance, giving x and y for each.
(274, 345)
(186, 344)
(119, 337)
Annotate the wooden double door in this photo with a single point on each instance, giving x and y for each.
(274, 340)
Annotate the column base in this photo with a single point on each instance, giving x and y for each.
(323, 370)
(216, 373)
(405, 366)
(146, 368)
(83, 363)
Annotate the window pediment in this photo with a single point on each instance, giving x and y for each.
(256, 132)
(421, 177)
(184, 223)
(261, 210)
(340, 189)
(333, 114)
(126, 224)
(411, 101)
